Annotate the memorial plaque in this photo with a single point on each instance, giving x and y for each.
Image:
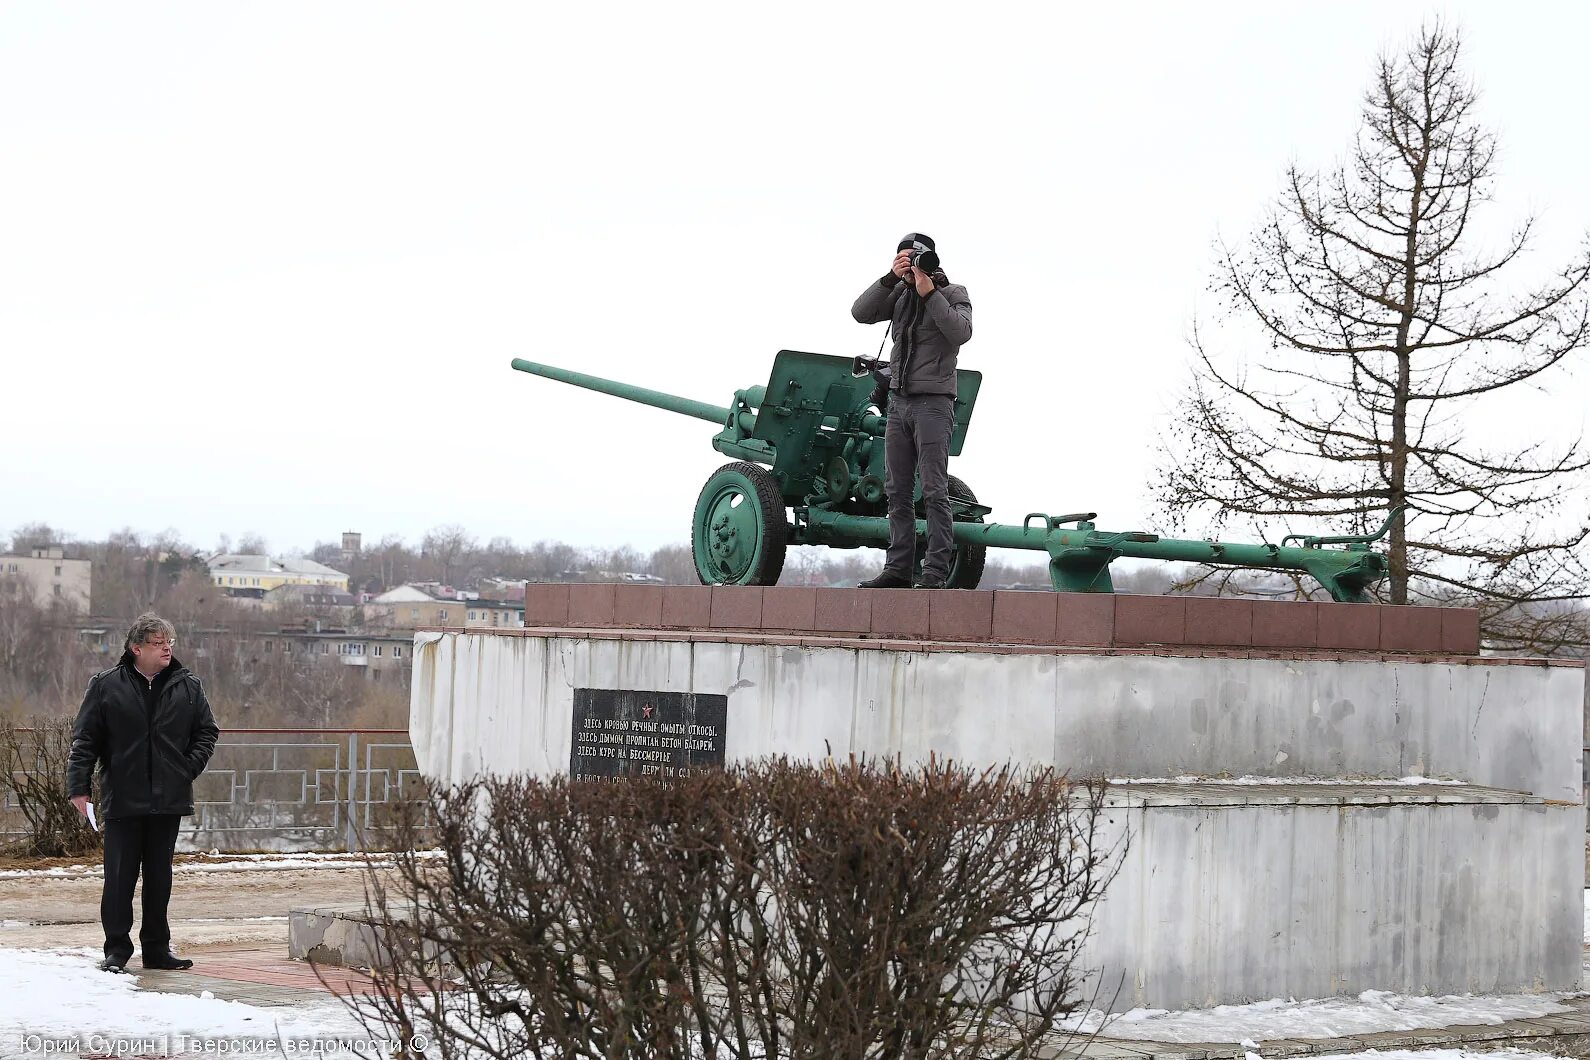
(620, 733)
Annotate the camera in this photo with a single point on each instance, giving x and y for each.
(861, 367)
(923, 254)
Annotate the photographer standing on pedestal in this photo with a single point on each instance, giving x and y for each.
(148, 725)
(930, 319)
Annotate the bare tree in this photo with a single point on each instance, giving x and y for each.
(253, 543)
(36, 535)
(1386, 328)
(446, 547)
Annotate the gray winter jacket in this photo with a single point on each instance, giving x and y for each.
(928, 332)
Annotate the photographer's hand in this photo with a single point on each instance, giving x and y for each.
(902, 265)
(924, 282)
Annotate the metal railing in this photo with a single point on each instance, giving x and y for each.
(293, 790)
(300, 789)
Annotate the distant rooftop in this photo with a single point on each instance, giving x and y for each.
(403, 594)
(237, 563)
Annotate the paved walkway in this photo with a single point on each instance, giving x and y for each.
(1563, 1032)
(257, 975)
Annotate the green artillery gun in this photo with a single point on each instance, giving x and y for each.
(808, 469)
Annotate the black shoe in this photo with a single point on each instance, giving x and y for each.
(887, 580)
(112, 965)
(167, 961)
(928, 581)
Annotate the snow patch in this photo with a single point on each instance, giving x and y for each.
(1189, 778)
(58, 993)
(1373, 1010)
(233, 863)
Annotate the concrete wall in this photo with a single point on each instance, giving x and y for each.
(1221, 899)
(1224, 904)
(504, 703)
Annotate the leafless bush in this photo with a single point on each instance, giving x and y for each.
(772, 910)
(33, 776)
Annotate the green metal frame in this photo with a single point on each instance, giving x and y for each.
(813, 426)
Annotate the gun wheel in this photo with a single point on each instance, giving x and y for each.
(739, 533)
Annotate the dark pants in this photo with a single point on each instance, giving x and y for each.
(133, 843)
(918, 444)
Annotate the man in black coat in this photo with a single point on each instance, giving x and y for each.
(148, 726)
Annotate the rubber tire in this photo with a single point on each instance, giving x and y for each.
(967, 561)
(759, 484)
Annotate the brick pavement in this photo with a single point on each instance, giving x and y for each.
(259, 976)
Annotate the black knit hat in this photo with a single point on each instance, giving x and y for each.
(916, 241)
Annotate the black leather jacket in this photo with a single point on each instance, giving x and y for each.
(150, 740)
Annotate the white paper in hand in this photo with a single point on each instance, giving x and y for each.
(92, 823)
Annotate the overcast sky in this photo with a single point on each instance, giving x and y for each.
(263, 267)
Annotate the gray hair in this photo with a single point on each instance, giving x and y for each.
(147, 625)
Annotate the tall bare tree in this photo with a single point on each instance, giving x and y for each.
(1386, 326)
(447, 547)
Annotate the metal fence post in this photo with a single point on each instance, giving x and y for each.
(350, 838)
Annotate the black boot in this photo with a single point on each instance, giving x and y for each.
(111, 964)
(166, 961)
(887, 580)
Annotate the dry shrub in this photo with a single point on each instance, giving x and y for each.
(772, 910)
(33, 761)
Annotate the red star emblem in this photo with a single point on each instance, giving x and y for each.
(646, 709)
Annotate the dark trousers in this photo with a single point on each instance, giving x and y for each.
(144, 843)
(917, 443)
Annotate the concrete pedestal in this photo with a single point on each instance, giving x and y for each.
(1337, 876)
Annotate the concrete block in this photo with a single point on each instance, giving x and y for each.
(1141, 620)
(546, 605)
(1216, 621)
(687, 606)
(736, 607)
(1460, 631)
(1410, 629)
(638, 605)
(844, 610)
(1024, 617)
(900, 612)
(956, 614)
(1380, 897)
(789, 608)
(594, 604)
(1285, 623)
(1349, 627)
(1085, 620)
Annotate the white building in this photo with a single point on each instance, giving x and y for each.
(245, 575)
(51, 576)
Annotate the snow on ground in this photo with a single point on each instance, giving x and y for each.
(1188, 778)
(56, 994)
(232, 863)
(1433, 1054)
(1373, 1010)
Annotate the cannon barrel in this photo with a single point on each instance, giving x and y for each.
(1079, 556)
(701, 410)
(872, 423)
